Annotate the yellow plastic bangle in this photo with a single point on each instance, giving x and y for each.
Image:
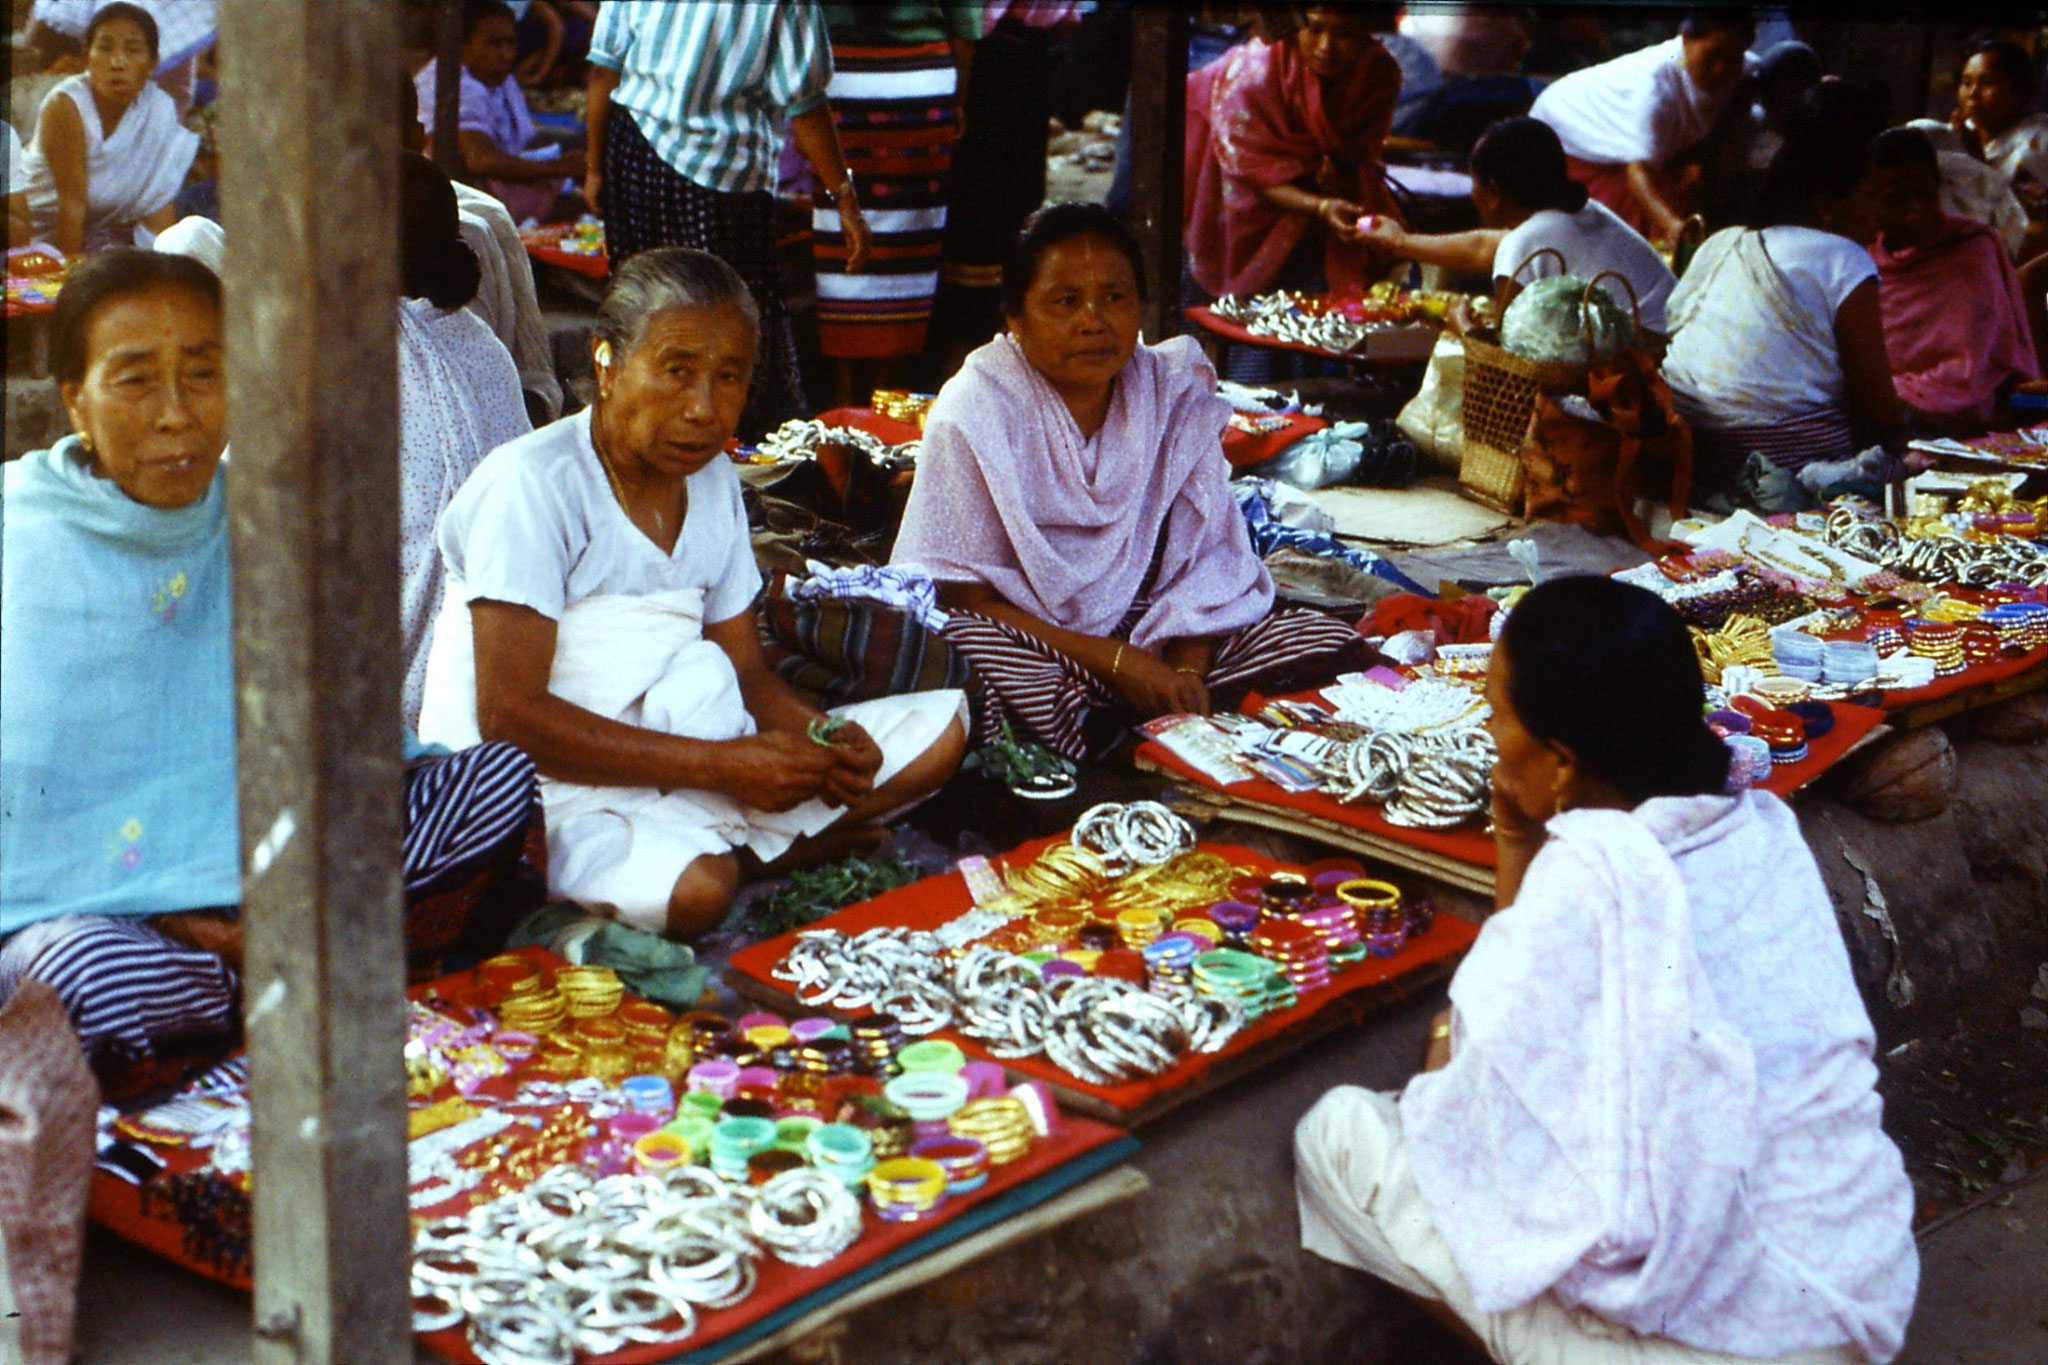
(1366, 894)
(912, 1180)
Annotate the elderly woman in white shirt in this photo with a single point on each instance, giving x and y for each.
(1648, 1130)
(600, 607)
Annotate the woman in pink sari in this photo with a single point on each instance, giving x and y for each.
(1284, 151)
(1955, 321)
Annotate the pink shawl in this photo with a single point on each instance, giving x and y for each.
(1010, 494)
(1955, 322)
(1259, 118)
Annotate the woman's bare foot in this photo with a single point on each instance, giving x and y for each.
(828, 846)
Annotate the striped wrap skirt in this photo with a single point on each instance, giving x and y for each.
(894, 108)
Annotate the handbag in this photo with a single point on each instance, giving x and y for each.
(1587, 460)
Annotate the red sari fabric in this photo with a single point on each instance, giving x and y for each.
(1258, 118)
(1955, 322)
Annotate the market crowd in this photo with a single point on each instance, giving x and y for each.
(1648, 1128)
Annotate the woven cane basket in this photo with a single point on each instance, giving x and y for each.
(1500, 397)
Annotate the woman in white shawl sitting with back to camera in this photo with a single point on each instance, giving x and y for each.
(1648, 1129)
(600, 600)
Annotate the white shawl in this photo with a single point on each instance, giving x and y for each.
(639, 660)
(1608, 1131)
(458, 400)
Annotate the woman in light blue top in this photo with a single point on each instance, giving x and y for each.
(119, 846)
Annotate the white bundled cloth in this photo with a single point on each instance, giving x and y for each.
(1659, 1110)
(458, 400)
(644, 661)
(505, 297)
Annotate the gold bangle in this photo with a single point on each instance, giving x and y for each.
(1118, 661)
(1190, 670)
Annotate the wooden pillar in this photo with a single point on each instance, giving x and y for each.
(1159, 82)
(309, 184)
(447, 85)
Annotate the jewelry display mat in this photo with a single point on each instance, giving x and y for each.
(1368, 986)
(1081, 1149)
(1404, 344)
(1462, 857)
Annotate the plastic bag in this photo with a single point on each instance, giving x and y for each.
(1549, 321)
(1375, 454)
(1434, 418)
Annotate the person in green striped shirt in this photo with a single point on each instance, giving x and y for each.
(688, 99)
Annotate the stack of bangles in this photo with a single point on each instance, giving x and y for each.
(964, 1160)
(1140, 834)
(1382, 923)
(907, 1188)
(1001, 1124)
(590, 992)
(929, 1097)
(843, 1151)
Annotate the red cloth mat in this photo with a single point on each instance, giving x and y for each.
(1471, 845)
(933, 901)
(1851, 724)
(117, 1206)
(1243, 449)
(1976, 675)
(544, 244)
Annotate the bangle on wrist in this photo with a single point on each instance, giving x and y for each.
(1190, 670)
(1117, 661)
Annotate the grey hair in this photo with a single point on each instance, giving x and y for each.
(671, 277)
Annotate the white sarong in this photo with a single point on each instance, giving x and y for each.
(644, 661)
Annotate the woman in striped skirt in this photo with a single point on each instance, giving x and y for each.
(1073, 504)
(119, 848)
(898, 71)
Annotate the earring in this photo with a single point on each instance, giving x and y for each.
(1561, 794)
(604, 354)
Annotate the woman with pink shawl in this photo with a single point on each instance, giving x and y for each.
(1955, 322)
(1073, 505)
(1284, 145)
